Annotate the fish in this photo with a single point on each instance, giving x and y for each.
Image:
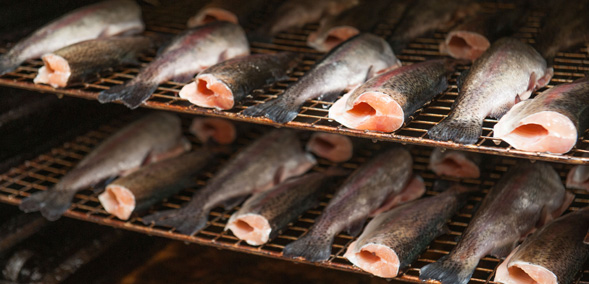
(347, 65)
(554, 254)
(189, 53)
(225, 84)
(154, 137)
(264, 214)
(359, 19)
(83, 61)
(234, 11)
(425, 16)
(508, 72)
(334, 147)
(550, 122)
(266, 162)
(566, 26)
(296, 13)
(215, 129)
(455, 163)
(578, 176)
(394, 239)
(100, 20)
(527, 196)
(470, 39)
(152, 183)
(383, 182)
(386, 101)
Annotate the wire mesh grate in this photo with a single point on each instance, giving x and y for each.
(45, 170)
(171, 18)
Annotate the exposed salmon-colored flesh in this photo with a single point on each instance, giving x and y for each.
(208, 91)
(465, 45)
(220, 130)
(118, 200)
(370, 111)
(252, 228)
(544, 131)
(55, 73)
(413, 190)
(331, 39)
(578, 178)
(455, 164)
(334, 147)
(377, 259)
(523, 273)
(209, 15)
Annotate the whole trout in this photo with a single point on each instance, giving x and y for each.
(265, 163)
(525, 198)
(103, 19)
(189, 53)
(382, 182)
(554, 254)
(346, 66)
(509, 71)
(147, 140)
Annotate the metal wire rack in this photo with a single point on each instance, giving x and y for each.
(45, 170)
(171, 19)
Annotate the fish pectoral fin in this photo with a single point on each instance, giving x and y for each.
(279, 175)
(183, 78)
(232, 202)
(355, 228)
(99, 187)
(503, 251)
(370, 73)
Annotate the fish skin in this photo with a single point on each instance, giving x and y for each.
(566, 26)
(424, 16)
(156, 181)
(569, 103)
(347, 65)
(557, 248)
(578, 177)
(286, 201)
(362, 193)
(358, 19)
(408, 229)
(266, 162)
(87, 59)
(235, 11)
(483, 28)
(446, 162)
(138, 143)
(103, 19)
(296, 13)
(244, 74)
(526, 197)
(508, 70)
(189, 53)
(409, 87)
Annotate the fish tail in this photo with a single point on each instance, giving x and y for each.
(311, 247)
(276, 110)
(7, 64)
(131, 94)
(52, 203)
(185, 220)
(449, 271)
(465, 131)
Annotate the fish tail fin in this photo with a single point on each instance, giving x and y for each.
(52, 203)
(131, 94)
(447, 270)
(7, 64)
(458, 130)
(276, 110)
(185, 220)
(311, 247)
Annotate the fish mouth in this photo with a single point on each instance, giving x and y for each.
(370, 111)
(208, 91)
(466, 45)
(118, 200)
(334, 147)
(56, 71)
(210, 15)
(252, 228)
(377, 259)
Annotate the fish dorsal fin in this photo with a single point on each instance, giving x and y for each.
(503, 251)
